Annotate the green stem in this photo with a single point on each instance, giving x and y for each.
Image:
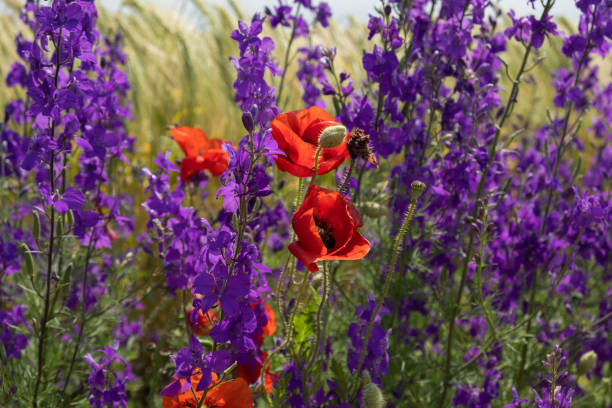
(45, 317)
(348, 176)
(287, 51)
(316, 165)
(396, 250)
(315, 351)
(493, 149)
(289, 334)
(290, 265)
(549, 202)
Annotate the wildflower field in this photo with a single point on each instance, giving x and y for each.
(200, 207)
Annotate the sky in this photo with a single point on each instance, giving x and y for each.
(341, 9)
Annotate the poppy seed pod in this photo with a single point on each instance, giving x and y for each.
(332, 136)
(374, 210)
(373, 397)
(587, 362)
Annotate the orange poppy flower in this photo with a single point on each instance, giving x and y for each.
(201, 153)
(232, 394)
(297, 134)
(326, 227)
(204, 324)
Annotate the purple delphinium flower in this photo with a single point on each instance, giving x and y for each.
(376, 357)
(106, 386)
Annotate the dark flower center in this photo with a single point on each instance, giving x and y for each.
(325, 232)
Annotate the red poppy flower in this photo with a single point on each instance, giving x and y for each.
(201, 153)
(270, 327)
(185, 399)
(232, 394)
(297, 134)
(252, 372)
(326, 227)
(204, 324)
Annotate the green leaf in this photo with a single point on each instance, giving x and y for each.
(339, 375)
(304, 326)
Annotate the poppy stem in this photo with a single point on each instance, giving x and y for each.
(347, 177)
(417, 189)
(290, 264)
(289, 333)
(316, 166)
(315, 351)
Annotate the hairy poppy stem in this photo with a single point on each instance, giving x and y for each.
(280, 294)
(417, 189)
(314, 352)
(289, 333)
(316, 166)
(348, 176)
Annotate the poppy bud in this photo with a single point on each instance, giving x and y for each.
(247, 121)
(373, 397)
(587, 362)
(417, 189)
(332, 136)
(374, 210)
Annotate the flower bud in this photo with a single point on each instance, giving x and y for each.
(587, 362)
(417, 189)
(36, 226)
(29, 260)
(373, 397)
(332, 136)
(70, 216)
(247, 121)
(254, 110)
(374, 210)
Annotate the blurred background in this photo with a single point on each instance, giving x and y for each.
(178, 59)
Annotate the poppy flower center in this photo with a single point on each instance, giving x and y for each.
(325, 232)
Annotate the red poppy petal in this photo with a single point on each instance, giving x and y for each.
(216, 161)
(189, 166)
(287, 165)
(307, 232)
(270, 328)
(356, 248)
(311, 114)
(307, 258)
(191, 140)
(234, 394)
(297, 150)
(313, 130)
